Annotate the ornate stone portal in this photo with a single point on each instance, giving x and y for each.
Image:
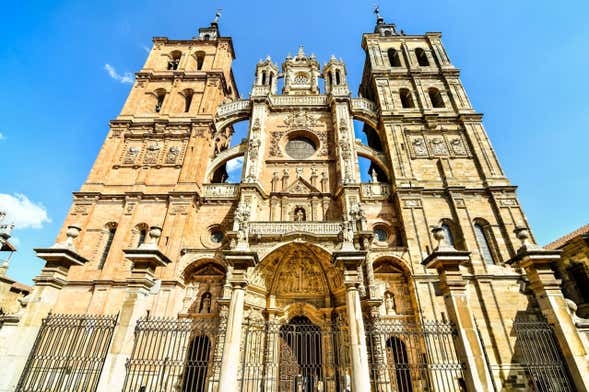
(307, 274)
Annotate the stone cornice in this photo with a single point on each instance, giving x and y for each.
(171, 196)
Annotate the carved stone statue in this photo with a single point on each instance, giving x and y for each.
(205, 303)
(299, 215)
(241, 223)
(389, 303)
(358, 216)
(373, 176)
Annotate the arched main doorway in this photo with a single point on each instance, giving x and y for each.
(301, 359)
(197, 363)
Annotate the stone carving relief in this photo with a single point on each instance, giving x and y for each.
(445, 144)
(172, 155)
(419, 148)
(457, 146)
(300, 119)
(438, 146)
(152, 153)
(131, 155)
(299, 275)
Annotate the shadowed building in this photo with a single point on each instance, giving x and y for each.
(300, 277)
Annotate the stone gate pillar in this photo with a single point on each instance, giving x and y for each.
(146, 258)
(446, 260)
(17, 339)
(349, 261)
(240, 261)
(537, 263)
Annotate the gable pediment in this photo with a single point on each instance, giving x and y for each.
(301, 187)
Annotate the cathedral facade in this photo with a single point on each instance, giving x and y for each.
(299, 277)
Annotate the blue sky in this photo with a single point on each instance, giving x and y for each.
(523, 64)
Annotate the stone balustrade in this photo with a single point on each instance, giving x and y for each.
(375, 190)
(364, 104)
(294, 100)
(228, 109)
(282, 228)
(220, 191)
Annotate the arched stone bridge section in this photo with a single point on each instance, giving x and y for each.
(232, 112)
(224, 156)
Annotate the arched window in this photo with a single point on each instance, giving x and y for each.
(484, 236)
(448, 234)
(160, 95)
(174, 60)
(421, 57)
(406, 98)
(270, 79)
(263, 78)
(329, 79)
(337, 77)
(388, 33)
(394, 59)
(188, 94)
(436, 98)
(112, 229)
(200, 59)
(206, 37)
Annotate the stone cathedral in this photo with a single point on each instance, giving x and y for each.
(300, 276)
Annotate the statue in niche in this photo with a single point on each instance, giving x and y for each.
(373, 176)
(205, 303)
(300, 215)
(389, 303)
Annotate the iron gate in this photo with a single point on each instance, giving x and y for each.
(540, 356)
(405, 357)
(295, 357)
(174, 355)
(68, 354)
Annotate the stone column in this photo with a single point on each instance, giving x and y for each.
(146, 258)
(240, 261)
(17, 338)
(349, 261)
(537, 263)
(446, 260)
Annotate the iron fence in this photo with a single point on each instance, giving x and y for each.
(538, 352)
(68, 353)
(174, 355)
(299, 356)
(405, 357)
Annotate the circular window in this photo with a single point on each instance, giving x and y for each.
(300, 148)
(381, 235)
(217, 236)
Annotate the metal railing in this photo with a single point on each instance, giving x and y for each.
(68, 354)
(405, 357)
(298, 356)
(174, 355)
(537, 351)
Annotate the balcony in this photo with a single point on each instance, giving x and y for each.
(220, 191)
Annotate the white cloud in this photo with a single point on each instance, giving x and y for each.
(2, 136)
(127, 77)
(23, 212)
(234, 164)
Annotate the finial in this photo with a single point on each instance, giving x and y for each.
(332, 58)
(522, 234)
(217, 16)
(440, 236)
(379, 18)
(301, 52)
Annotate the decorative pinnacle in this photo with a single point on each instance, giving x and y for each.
(379, 18)
(301, 52)
(523, 234)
